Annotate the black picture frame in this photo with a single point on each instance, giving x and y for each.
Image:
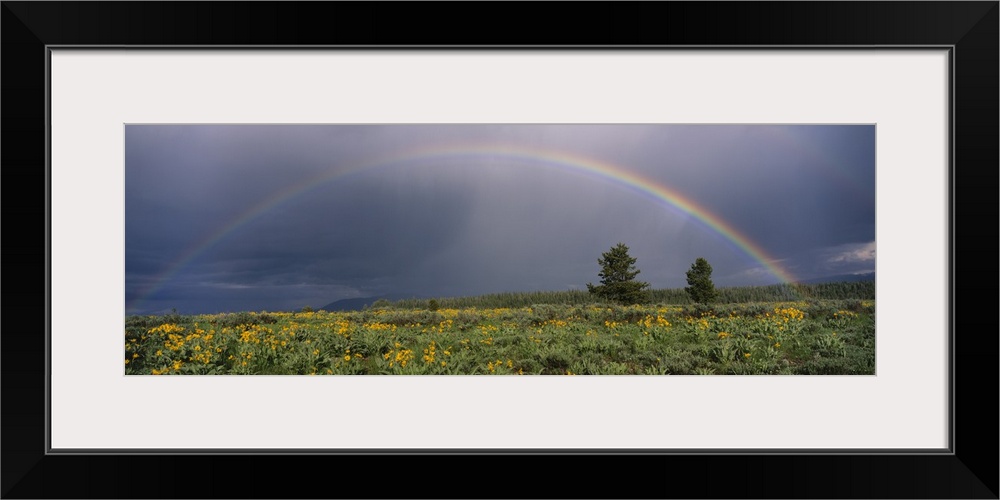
(970, 470)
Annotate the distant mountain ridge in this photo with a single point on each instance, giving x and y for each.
(840, 278)
(359, 303)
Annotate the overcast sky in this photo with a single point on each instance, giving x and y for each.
(277, 217)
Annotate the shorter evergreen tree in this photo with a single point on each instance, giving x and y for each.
(699, 278)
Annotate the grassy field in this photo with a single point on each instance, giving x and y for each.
(815, 336)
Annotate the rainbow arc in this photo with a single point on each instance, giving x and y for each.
(571, 163)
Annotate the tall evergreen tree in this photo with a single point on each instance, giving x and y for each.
(618, 281)
(699, 278)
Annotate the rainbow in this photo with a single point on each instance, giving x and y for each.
(553, 159)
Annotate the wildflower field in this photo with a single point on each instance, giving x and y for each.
(818, 336)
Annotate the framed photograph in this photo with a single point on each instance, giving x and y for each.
(193, 154)
(469, 249)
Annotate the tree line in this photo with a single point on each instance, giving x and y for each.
(619, 285)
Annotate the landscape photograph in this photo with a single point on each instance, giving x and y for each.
(499, 249)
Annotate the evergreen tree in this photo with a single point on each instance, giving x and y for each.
(699, 277)
(618, 274)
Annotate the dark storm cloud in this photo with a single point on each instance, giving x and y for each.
(777, 183)
(453, 225)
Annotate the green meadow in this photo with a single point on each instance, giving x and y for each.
(780, 330)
